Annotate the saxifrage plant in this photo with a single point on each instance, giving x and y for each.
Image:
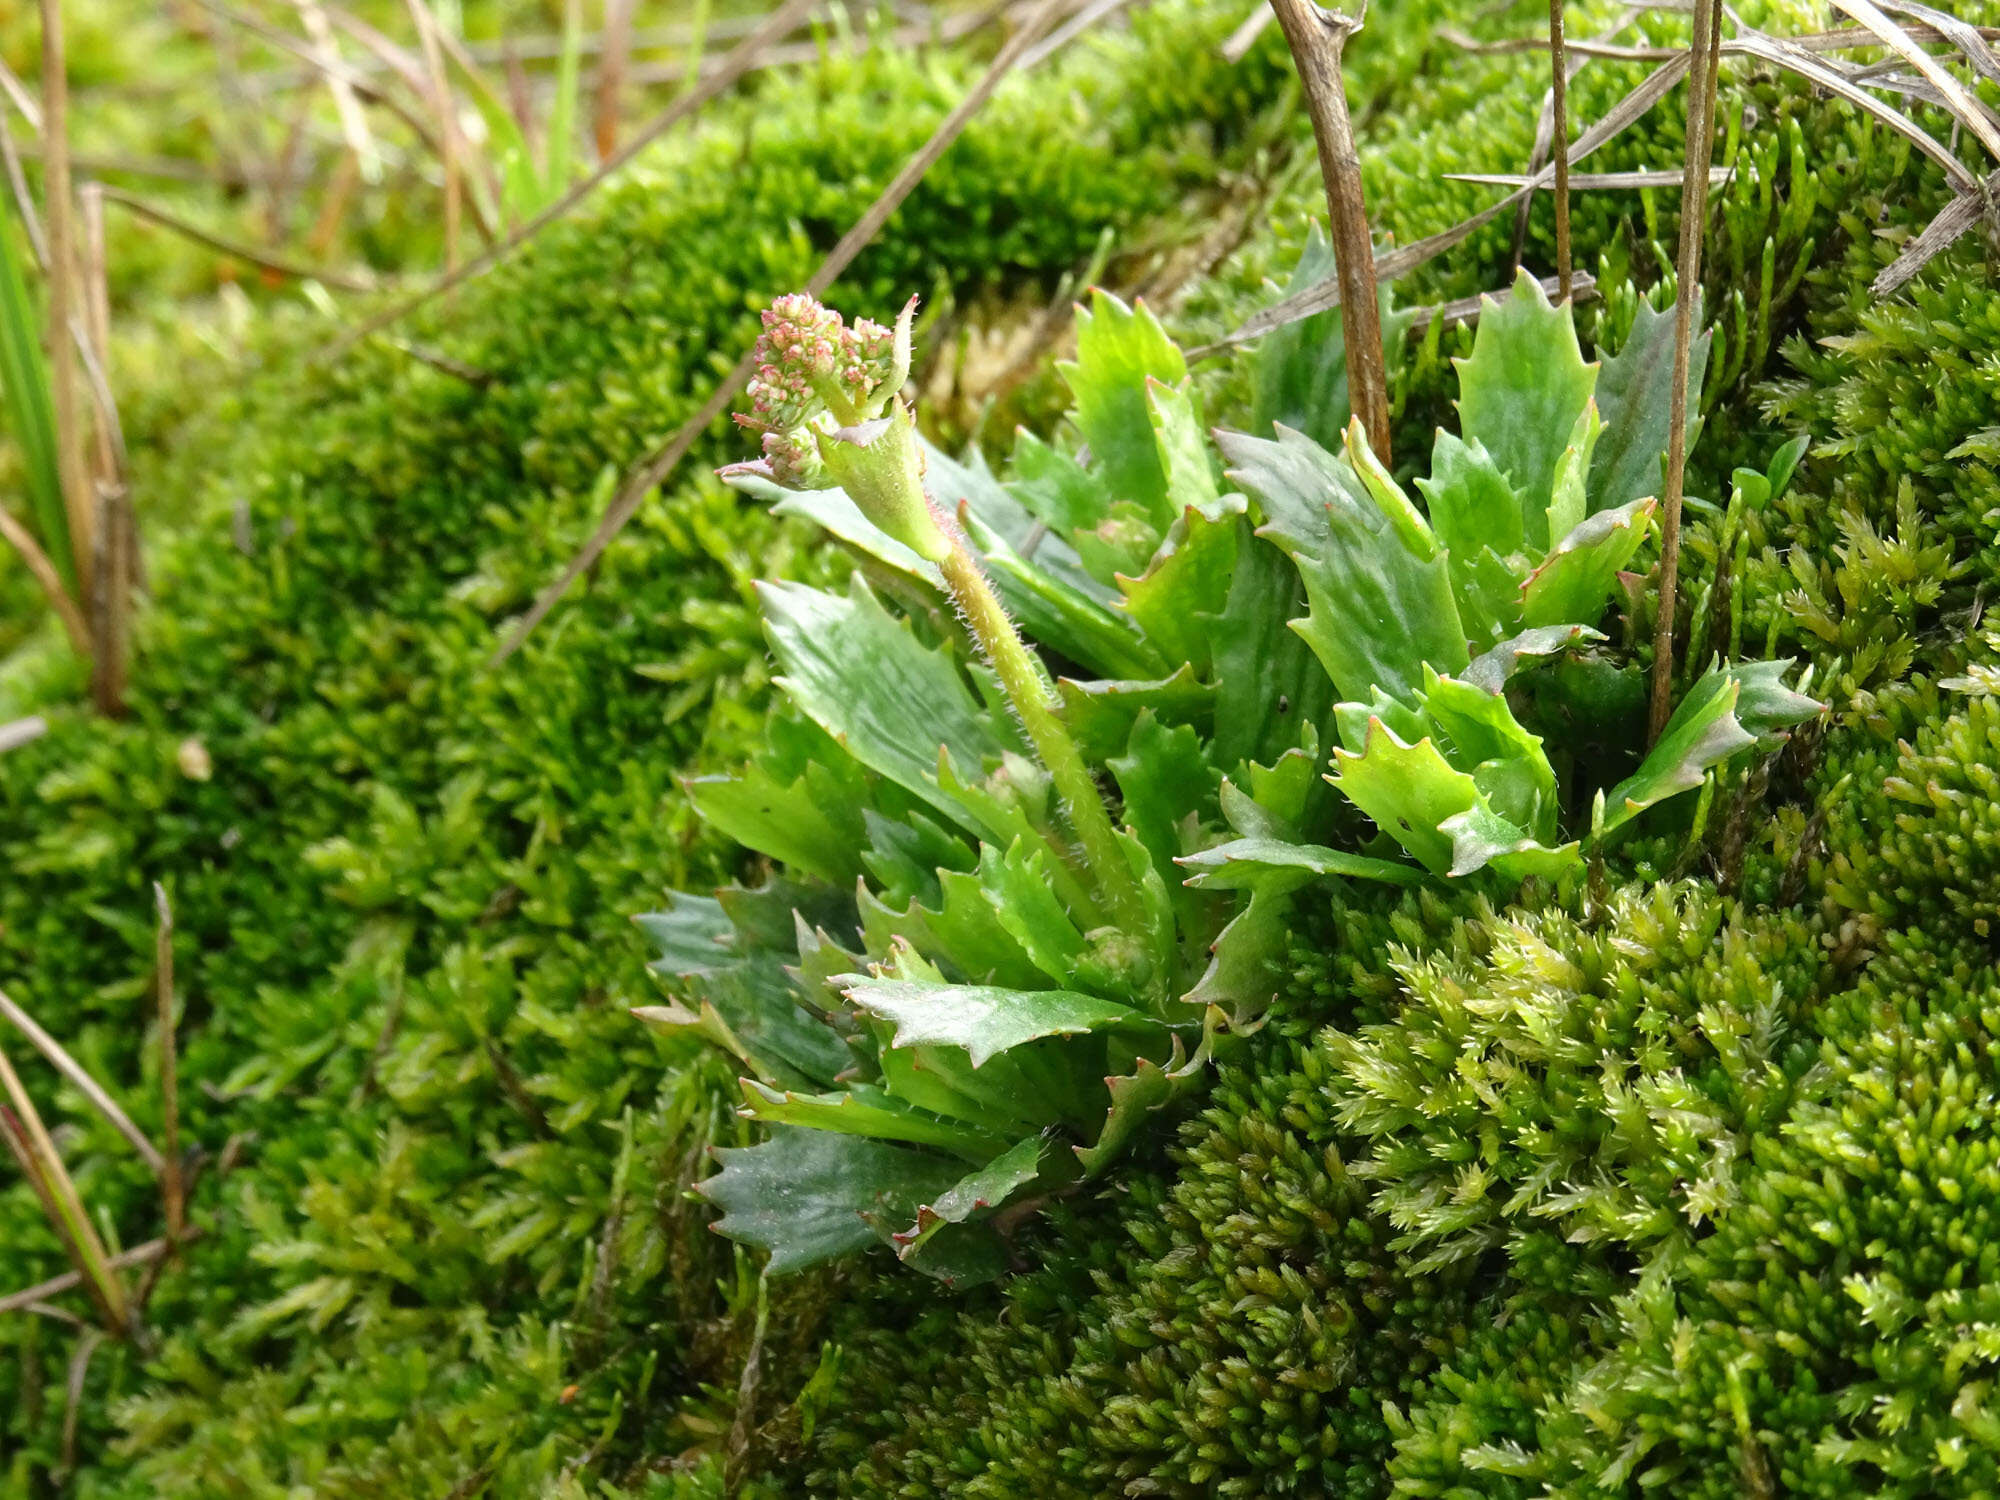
(974, 980)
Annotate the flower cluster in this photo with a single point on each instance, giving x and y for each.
(810, 362)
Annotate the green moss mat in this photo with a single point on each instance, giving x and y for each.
(456, 1253)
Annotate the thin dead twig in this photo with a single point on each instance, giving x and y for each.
(641, 481)
(1559, 105)
(75, 1072)
(55, 1286)
(1702, 80)
(342, 280)
(1317, 38)
(1390, 264)
(1964, 108)
(612, 64)
(172, 1189)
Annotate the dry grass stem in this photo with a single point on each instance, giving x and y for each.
(236, 249)
(28, 1297)
(76, 488)
(780, 22)
(42, 1165)
(1967, 110)
(346, 105)
(1389, 264)
(613, 59)
(43, 570)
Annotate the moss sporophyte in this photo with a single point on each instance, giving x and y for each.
(980, 973)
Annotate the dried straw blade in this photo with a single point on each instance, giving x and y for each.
(75, 1072)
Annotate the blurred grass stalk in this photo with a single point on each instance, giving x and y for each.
(42, 1165)
(77, 538)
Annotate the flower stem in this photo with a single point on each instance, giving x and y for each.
(1028, 688)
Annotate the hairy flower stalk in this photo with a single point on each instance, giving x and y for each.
(827, 400)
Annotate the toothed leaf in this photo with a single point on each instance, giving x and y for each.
(985, 1189)
(1117, 348)
(1521, 392)
(801, 1194)
(865, 678)
(1728, 710)
(1273, 865)
(1635, 394)
(1186, 584)
(1379, 608)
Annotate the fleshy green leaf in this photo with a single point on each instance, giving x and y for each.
(1421, 801)
(1479, 733)
(1270, 690)
(801, 1194)
(800, 803)
(1056, 489)
(1165, 782)
(1576, 580)
(1478, 517)
(743, 1002)
(840, 517)
(1635, 394)
(1187, 583)
(1183, 449)
(1134, 1096)
(1117, 348)
(1567, 505)
(1380, 608)
(962, 931)
(1521, 392)
(863, 1109)
(1100, 714)
(1299, 371)
(985, 1020)
(862, 676)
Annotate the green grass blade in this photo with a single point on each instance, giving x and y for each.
(29, 404)
(562, 114)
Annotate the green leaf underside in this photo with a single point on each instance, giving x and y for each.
(1378, 610)
(801, 1194)
(986, 1020)
(1521, 392)
(987, 1188)
(1275, 865)
(1728, 710)
(863, 676)
(1576, 580)
(1493, 670)
(1635, 393)
(1117, 348)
